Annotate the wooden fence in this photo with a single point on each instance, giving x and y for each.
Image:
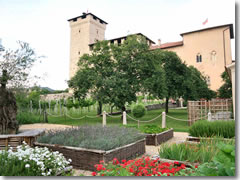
(198, 110)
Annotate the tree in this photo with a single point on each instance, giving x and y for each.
(114, 74)
(93, 76)
(175, 75)
(195, 86)
(14, 72)
(225, 91)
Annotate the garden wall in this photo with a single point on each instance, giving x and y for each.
(86, 158)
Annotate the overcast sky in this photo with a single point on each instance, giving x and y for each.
(43, 24)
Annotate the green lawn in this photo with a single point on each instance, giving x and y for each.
(179, 126)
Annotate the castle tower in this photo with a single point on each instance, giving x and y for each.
(85, 29)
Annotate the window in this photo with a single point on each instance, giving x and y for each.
(79, 52)
(79, 30)
(97, 31)
(199, 58)
(213, 55)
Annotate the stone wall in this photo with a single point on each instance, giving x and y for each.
(50, 97)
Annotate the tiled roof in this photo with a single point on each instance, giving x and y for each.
(167, 45)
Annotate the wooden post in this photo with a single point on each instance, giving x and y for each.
(209, 116)
(45, 116)
(124, 118)
(163, 119)
(40, 110)
(104, 122)
(138, 124)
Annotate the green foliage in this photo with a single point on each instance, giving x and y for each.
(195, 86)
(201, 153)
(153, 129)
(203, 128)
(149, 129)
(225, 91)
(223, 164)
(93, 137)
(138, 110)
(27, 118)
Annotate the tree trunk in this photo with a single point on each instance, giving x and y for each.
(166, 105)
(8, 112)
(99, 108)
(112, 109)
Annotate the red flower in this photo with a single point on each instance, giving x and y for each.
(115, 161)
(131, 170)
(183, 166)
(94, 173)
(102, 174)
(196, 166)
(101, 162)
(176, 163)
(99, 167)
(123, 161)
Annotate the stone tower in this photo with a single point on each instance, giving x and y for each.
(85, 29)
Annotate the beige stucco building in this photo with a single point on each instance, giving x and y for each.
(209, 50)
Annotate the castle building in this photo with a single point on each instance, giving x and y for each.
(209, 49)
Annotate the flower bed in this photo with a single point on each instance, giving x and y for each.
(156, 139)
(27, 161)
(85, 159)
(14, 140)
(87, 145)
(139, 167)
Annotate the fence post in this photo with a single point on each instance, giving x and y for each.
(40, 110)
(209, 116)
(124, 118)
(104, 119)
(163, 119)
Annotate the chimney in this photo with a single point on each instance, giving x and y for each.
(159, 42)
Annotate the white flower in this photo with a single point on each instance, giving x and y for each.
(27, 166)
(69, 160)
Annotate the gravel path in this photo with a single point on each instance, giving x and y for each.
(150, 150)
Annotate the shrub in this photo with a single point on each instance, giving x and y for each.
(138, 110)
(205, 128)
(139, 167)
(195, 153)
(27, 161)
(27, 118)
(93, 137)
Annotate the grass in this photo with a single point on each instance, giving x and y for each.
(178, 126)
(93, 137)
(205, 128)
(195, 153)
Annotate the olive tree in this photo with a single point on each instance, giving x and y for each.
(15, 66)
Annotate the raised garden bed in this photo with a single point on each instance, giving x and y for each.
(157, 139)
(198, 139)
(14, 140)
(85, 159)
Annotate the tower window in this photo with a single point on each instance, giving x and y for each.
(199, 58)
(79, 52)
(79, 30)
(97, 31)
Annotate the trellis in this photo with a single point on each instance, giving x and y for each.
(199, 109)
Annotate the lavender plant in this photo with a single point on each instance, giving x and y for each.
(93, 137)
